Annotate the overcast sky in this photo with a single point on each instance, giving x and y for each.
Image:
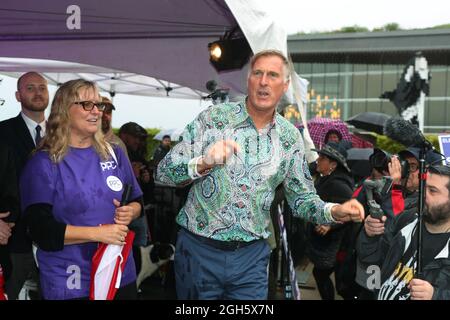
(327, 15)
(294, 16)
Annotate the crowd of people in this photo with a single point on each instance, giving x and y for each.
(63, 182)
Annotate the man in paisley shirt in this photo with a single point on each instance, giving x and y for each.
(235, 155)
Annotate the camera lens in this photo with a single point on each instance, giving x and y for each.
(379, 160)
(405, 168)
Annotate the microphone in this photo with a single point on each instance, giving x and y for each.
(126, 194)
(404, 132)
(216, 93)
(211, 85)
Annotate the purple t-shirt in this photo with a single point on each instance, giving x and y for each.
(81, 189)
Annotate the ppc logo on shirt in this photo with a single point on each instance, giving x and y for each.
(114, 183)
(108, 165)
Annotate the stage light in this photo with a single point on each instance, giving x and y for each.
(229, 53)
(215, 51)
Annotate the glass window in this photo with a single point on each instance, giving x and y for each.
(390, 81)
(335, 86)
(360, 68)
(318, 68)
(303, 68)
(374, 86)
(388, 107)
(434, 114)
(359, 85)
(332, 67)
(438, 83)
(358, 107)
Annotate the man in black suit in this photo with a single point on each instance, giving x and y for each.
(22, 134)
(9, 205)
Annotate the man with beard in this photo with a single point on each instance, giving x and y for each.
(22, 134)
(106, 125)
(393, 247)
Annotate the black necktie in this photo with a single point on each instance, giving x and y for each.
(37, 137)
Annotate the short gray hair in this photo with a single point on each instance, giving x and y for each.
(269, 53)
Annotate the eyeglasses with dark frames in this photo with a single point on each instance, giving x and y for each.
(89, 105)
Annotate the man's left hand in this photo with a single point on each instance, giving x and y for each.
(420, 289)
(351, 210)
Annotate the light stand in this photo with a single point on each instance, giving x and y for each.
(422, 183)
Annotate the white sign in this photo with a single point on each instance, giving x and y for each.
(444, 145)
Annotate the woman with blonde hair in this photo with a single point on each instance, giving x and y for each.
(70, 192)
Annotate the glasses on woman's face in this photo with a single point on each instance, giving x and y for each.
(89, 105)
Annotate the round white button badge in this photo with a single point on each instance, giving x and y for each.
(114, 183)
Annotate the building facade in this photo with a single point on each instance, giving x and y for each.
(348, 73)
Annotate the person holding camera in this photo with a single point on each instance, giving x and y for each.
(381, 192)
(411, 183)
(393, 187)
(393, 247)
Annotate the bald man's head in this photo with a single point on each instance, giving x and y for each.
(32, 93)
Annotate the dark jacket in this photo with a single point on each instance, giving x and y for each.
(9, 198)
(15, 134)
(160, 153)
(392, 203)
(387, 250)
(337, 188)
(9, 191)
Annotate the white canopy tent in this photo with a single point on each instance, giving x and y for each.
(110, 81)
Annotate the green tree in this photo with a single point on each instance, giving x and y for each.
(354, 28)
(393, 26)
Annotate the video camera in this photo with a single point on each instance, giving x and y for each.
(217, 95)
(380, 187)
(380, 159)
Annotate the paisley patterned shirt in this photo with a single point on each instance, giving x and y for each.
(232, 202)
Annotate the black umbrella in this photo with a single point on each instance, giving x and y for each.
(355, 154)
(370, 121)
(358, 161)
